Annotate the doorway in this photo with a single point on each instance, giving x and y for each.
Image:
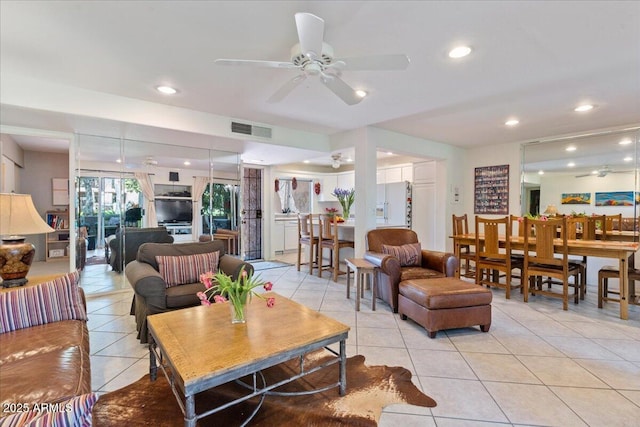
(251, 214)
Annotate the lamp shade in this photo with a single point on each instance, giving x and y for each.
(19, 216)
(551, 210)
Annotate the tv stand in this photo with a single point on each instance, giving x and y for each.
(181, 231)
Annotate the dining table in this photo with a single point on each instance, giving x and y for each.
(615, 249)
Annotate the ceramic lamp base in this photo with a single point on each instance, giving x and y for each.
(16, 257)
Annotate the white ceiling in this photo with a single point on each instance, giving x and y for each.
(532, 60)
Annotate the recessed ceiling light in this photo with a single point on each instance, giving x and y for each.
(390, 153)
(459, 52)
(118, 160)
(348, 160)
(571, 164)
(167, 90)
(625, 141)
(361, 93)
(628, 159)
(305, 161)
(584, 107)
(187, 163)
(594, 172)
(541, 172)
(571, 148)
(512, 122)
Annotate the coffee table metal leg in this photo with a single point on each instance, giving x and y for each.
(153, 367)
(343, 367)
(190, 412)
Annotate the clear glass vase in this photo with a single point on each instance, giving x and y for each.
(238, 308)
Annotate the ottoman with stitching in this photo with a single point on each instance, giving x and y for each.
(445, 303)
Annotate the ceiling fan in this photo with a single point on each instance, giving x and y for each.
(602, 172)
(336, 160)
(314, 58)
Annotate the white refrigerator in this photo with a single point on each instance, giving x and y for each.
(393, 206)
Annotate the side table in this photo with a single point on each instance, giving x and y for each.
(362, 270)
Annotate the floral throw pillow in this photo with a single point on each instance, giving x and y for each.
(185, 269)
(408, 255)
(53, 301)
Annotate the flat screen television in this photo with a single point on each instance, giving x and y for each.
(172, 211)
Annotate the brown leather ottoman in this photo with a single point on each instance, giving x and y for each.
(445, 303)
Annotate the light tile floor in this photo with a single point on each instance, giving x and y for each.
(538, 365)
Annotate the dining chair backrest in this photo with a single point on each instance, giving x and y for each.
(595, 223)
(577, 228)
(328, 227)
(542, 249)
(305, 226)
(460, 225)
(519, 221)
(493, 231)
(613, 222)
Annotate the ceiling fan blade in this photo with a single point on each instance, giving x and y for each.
(376, 62)
(340, 88)
(256, 63)
(311, 34)
(286, 89)
(586, 174)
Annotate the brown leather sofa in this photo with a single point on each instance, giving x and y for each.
(151, 292)
(48, 363)
(434, 264)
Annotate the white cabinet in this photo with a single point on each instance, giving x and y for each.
(290, 236)
(407, 173)
(347, 180)
(389, 175)
(424, 172)
(278, 236)
(393, 175)
(285, 236)
(328, 184)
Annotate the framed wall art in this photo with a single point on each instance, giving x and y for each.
(576, 198)
(615, 198)
(491, 190)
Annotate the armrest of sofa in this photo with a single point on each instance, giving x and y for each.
(388, 264)
(444, 262)
(147, 282)
(231, 266)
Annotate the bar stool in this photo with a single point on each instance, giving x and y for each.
(328, 239)
(307, 238)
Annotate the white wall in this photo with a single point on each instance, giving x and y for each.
(553, 185)
(35, 179)
(501, 154)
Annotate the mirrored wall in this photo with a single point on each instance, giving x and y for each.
(126, 186)
(589, 174)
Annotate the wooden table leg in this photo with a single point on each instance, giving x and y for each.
(624, 288)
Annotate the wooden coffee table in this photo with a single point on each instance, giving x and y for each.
(198, 348)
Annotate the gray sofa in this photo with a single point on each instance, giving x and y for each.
(151, 292)
(123, 249)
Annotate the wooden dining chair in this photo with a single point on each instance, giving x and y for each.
(613, 272)
(540, 260)
(461, 226)
(328, 239)
(491, 257)
(613, 222)
(307, 238)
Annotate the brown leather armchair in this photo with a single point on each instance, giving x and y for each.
(390, 272)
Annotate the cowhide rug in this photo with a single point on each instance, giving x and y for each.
(369, 389)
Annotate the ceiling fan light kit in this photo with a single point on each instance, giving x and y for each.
(315, 58)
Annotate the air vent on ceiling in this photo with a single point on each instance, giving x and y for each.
(246, 129)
